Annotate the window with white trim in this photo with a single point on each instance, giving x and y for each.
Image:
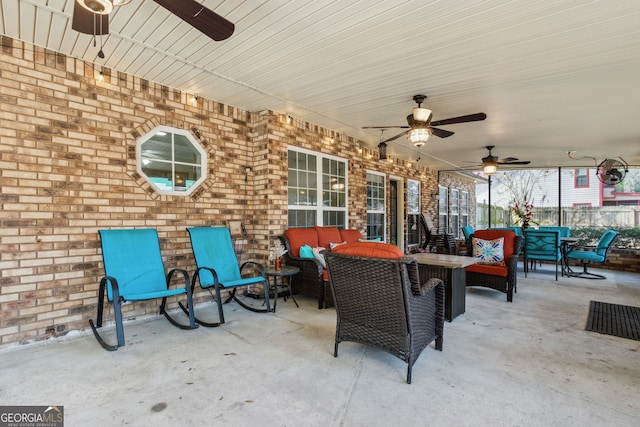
(443, 209)
(454, 212)
(317, 189)
(464, 209)
(172, 160)
(414, 234)
(376, 205)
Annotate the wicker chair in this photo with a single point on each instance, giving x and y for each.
(501, 278)
(381, 302)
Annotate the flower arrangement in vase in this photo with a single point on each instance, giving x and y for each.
(276, 253)
(524, 214)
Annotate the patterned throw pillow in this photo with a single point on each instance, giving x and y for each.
(490, 252)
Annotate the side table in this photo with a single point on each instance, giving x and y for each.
(451, 270)
(566, 244)
(287, 271)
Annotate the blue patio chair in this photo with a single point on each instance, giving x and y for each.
(217, 269)
(592, 255)
(467, 231)
(564, 231)
(541, 245)
(134, 272)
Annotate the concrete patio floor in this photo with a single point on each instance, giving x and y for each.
(526, 363)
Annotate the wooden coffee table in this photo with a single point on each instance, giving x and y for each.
(451, 270)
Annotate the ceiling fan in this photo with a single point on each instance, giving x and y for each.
(420, 127)
(92, 17)
(490, 163)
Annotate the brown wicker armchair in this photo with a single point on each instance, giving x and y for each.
(380, 301)
(501, 278)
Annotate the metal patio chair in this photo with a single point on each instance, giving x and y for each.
(134, 272)
(218, 269)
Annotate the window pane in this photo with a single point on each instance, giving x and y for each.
(171, 161)
(293, 178)
(301, 219)
(375, 205)
(413, 196)
(184, 151)
(333, 188)
(414, 230)
(375, 226)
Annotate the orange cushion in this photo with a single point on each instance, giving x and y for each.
(493, 270)
(350, 235)
(509, 239)
(327, 235)
(325, 275)
(370, 250)
(301, 236)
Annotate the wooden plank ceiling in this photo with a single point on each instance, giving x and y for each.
(552, 77)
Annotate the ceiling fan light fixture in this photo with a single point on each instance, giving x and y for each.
(99, 7)
(489, 167)
(120, 2)
(421, 114)
(419, 136)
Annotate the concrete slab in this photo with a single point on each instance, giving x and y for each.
(526, 363)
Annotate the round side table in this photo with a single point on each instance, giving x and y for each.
(287, 271)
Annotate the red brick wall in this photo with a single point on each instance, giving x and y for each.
(67, 169)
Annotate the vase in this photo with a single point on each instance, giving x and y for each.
(278, 263)
(525, 225)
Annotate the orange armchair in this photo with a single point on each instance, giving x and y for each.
(502, 278)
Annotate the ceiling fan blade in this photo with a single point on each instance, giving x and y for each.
(441, 132)
(86, 22)
(393, 138)
(462, 119)
(385, 127)
(521, 162)
(201, 18)
(508, 159)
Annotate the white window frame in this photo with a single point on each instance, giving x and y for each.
(465, 209)
(443, 209)
(194, 142)
(319, 208)
(382, 211)
(414, 209)
(454, 212)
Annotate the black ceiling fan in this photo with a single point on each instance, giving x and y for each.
(490, 163)
(420, 126)
(92, 17)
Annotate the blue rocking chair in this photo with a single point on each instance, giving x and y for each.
(217, 268)
(598, 254)
(134, 272)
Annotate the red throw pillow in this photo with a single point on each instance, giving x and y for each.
(328, 235)
(350, 235)
(299, 237)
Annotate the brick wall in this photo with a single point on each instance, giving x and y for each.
(67, 169)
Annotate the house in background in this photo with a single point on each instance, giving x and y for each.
(552, 188)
